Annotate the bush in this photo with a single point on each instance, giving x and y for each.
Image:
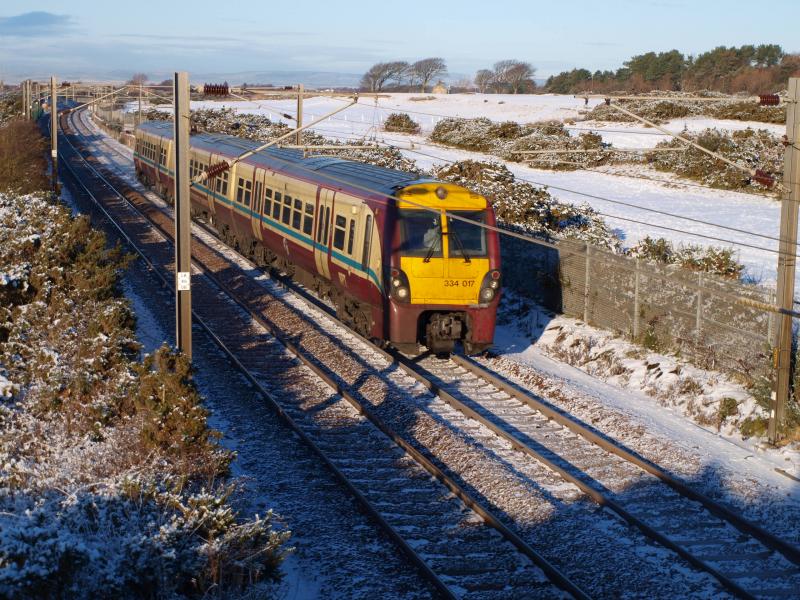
(522, 205)
(22, 157)
(756, 149)
(401, 123)
(508, 139)
(109, 485)
(710, 259)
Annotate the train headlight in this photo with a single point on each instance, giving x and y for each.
(398, 283)
(490, 286)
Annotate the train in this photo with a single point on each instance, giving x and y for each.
(407, 261)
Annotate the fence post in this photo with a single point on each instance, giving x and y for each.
(299, 121)
(636, 305)
(587, 282)
(698, 324)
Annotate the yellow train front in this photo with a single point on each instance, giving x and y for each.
(444, 280)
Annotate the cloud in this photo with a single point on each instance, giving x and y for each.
(36, 23)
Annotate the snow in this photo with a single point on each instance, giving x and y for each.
(714, 450)
(753, 213)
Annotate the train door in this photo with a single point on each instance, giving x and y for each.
(322, 243)
(258, 201)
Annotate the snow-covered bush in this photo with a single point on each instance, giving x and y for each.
(710, 259)
(523, 206)
(401, 123)
(109, 473)
(508, 139)
(756, 149)
(685, 105)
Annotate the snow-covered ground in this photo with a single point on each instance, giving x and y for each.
(755, 215)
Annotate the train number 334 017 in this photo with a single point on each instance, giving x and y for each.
(459, 283)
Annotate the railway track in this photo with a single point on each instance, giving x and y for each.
(459, 546)
(746, 560)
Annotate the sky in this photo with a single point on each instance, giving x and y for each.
(111, 40)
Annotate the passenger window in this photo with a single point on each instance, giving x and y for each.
(297, 215)
(367, 239)
(308, 220)
(276, 206)
(267, 201)
(339, 232)
(287, 210)
(240, 191)
(351, 234)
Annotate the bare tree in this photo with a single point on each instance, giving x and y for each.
(138, 79)
(484, 79)
(428, 68)
(514, 74)
(380, 74)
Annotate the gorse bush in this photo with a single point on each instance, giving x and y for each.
(756, 149)
(506, 140)
(401, 123)
(22, 157)
(111, 479)
(719, 261)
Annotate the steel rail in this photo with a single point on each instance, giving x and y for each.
(553, 573)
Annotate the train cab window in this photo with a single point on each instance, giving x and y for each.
(267, 201)
(367, 240)
(351, 236)
(286, 216)
(276, 207)
(339, 232)
(466, 239)
(420, 233)
(308, 219)
(297, 215)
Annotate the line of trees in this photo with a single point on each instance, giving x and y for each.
(748, 68)
(506, 76)
(399, 73)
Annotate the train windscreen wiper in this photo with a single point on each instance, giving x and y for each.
(454, 235)
(432, 247)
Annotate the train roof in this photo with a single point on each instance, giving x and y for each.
(289, 160)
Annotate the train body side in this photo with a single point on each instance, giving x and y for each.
(331, 221)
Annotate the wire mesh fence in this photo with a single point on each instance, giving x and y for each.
(716, 323)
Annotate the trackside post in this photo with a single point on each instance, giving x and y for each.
(183, 223)
(54, 133)
(787, 263)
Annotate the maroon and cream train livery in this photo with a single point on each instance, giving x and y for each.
(404, 260)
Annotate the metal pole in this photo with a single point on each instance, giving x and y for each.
(786, 262)
(139, 114)
(299, 138)
(183, 222)
(636, 303)
(54, 132)
(26, 98)
(587, 282)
